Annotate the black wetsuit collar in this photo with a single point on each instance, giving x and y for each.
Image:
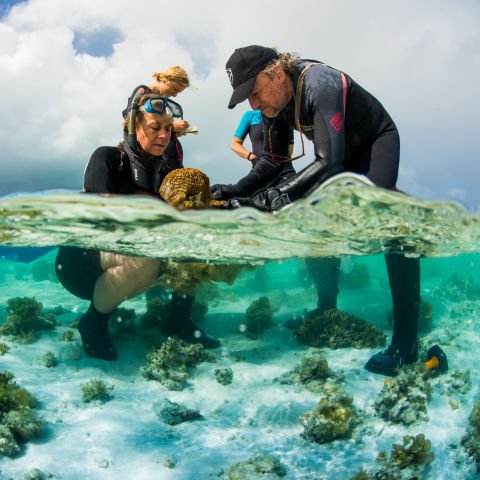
(145, 170)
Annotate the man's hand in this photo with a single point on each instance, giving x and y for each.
(268, 200)
(221, 191)
(236, 202)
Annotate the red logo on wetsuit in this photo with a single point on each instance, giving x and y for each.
(337, 122)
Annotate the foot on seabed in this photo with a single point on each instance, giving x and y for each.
(191, 333)
(96, 338)
(389, 360)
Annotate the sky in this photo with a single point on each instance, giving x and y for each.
(68, 67)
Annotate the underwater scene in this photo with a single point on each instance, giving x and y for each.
(286, 395)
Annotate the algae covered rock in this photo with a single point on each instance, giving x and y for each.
(170, 363)
(471, 440)
(258, 467)
(404, 399)
(334, 417)
(258, 317)
(49, 359)
(96, 389)
(312, 371)
(37, 474)
(337, 329)
(25, 424)
(8, 445)
(3, 348)
(25, 318)
(407, 461)
(224, 376)
(19, 422)
(174, 413)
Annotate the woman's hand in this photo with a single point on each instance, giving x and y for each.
(179, 127)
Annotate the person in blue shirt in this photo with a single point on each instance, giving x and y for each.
(251, 124)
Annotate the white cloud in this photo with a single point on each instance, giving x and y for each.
(421, 59)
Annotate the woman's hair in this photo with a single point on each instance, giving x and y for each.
(139, 115)
(174, 73)
(288, 61)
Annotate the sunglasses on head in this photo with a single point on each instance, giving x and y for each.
(162, 106)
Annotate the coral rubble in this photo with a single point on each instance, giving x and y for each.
(170, 363)
(25, 318)
(334, 417)
(404, 399)
(337, 329)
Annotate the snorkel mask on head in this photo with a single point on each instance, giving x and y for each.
(145, 169)
(159, 105)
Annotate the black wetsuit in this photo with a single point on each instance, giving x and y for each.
(174, 151)
(108, 171)
(351, 131)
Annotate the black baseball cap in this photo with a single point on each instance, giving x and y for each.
(243, 67)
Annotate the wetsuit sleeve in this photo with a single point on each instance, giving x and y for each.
(243, 126)
(324, 96)
(101, 174)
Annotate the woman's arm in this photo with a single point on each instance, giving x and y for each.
(240, 150)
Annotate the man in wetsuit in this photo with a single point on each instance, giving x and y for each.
(350, 131)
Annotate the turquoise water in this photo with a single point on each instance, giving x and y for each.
(356, 222)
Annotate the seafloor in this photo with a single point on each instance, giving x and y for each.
(123, 437)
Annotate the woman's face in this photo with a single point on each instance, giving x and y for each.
(168, 88)
(153, 132)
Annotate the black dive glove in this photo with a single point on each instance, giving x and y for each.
(270, 199)
(236, 202)
(221, 191)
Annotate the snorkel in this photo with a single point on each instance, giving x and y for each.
(131, 139)
(145, 170)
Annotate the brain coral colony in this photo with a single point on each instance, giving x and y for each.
(19, 421)
(25, 318)
(337, 329)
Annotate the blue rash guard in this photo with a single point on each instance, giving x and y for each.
(251, 124)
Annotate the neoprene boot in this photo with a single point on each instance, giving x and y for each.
(93, 328)
(404, 277)
(179, 323)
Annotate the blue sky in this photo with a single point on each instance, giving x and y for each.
(68, 67)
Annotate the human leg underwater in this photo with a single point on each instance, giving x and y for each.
(106, 279)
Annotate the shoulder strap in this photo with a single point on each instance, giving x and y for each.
(299, 90)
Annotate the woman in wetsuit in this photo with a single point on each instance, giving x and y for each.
(136, 166)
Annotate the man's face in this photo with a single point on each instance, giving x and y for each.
(271, 95)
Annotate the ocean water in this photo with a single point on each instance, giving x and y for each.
(124, 438)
